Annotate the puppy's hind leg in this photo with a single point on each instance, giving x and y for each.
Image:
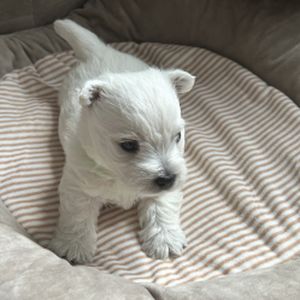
(161, 234)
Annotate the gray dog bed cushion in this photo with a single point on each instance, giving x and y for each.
(261, 35)
(241, 201)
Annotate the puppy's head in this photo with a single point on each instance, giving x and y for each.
(131, 124)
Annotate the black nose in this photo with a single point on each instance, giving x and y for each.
(165, 182)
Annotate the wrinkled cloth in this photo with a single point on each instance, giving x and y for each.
(30, 272)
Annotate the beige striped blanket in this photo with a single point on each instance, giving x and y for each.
(241, 207)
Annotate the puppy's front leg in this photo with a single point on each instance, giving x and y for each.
(75, 236)
(159, 218)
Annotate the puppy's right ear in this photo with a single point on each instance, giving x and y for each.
(181, 80)
(91, 92)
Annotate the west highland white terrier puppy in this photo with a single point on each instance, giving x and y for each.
(121, 129)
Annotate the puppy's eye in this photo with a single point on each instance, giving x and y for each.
(131, 146)
(178, 137)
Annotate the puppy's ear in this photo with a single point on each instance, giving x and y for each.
(91, 92)
(181, 80)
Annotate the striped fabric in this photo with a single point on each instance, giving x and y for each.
(241, 207)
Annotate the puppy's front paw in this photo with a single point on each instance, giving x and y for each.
(163, 243)
(78, 251)
(89, 93)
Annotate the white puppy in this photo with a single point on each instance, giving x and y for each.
(123, 136)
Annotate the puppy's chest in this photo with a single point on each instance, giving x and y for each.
(109, 192)
(122, 199)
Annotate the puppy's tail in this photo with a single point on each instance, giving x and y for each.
(83, 42)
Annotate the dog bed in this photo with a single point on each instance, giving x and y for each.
(241, 208)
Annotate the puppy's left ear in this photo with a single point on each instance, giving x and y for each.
(181, 80)
(91, 92)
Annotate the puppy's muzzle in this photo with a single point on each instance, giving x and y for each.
(165, 182)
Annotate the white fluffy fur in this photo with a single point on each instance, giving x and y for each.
(107, 98)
